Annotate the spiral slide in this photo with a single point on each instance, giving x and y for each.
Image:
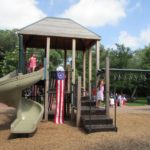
(29, 112)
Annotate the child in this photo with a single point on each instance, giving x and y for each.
(100, 93)
(32, 63)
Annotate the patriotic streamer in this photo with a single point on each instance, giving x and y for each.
(59, 113)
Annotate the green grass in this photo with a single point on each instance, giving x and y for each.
(138, 102)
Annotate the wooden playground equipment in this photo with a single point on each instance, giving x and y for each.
(65, 34)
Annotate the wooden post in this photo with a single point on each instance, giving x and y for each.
(84, 69)
(73, 75)
(90, 70)
(68, 90)
(78, 116)
(47, 78)
(107, 86)
(68, 81)
(25, 60)
(21, 55)
(65, 58)
(73, 60)
(97, 59)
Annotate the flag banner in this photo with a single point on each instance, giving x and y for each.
(60, 75)
(60, 80)
(59, 113)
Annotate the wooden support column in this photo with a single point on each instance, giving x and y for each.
(73, 76)
(68, 89)
(84, 69)
(107, 86)
(65, 59)
(47, 77)
(25, 60)
(97, 59)
(21, 55)
(78, 116)
(90, 69)
(68, 76)
(73, 60)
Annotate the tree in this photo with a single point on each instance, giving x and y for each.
(9, 62)
(120, 57)
(8, 51)
(56, 58)
(8, 41)
(145, 57)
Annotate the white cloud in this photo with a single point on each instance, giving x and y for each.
(18, 13)
(145, 36)
(96, 13)
(135, 42)
(128, 40)
(113, 46)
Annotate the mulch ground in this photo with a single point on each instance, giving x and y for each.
(133, 134)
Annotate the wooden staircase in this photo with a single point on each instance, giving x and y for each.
(97, 121)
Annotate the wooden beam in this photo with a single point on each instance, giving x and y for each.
(84, 69)
(78, 116)
(68, 77)
(73, 60)
(65, 59)
(90, 69)
(21, 55)
(97, 54)
(25, 59)
(47, 78)
(107, 86)
(73, 76)
(97, 59)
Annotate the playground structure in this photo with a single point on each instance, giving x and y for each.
(59, 34)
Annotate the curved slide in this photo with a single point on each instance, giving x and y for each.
(29, 115)
(29, 112)
(20, 81)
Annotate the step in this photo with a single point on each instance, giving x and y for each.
(88, 103)
(85, 98)
(85, 110)
(96, 119)
(99, 128)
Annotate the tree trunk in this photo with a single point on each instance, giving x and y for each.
(134, 91)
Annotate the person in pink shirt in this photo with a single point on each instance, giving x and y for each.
(32, 63)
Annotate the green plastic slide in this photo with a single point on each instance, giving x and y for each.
(29, 112)
(21, 81)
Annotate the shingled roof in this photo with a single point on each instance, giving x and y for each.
(58, 27)
(61, 30)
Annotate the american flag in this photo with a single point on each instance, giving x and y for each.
(59, 113)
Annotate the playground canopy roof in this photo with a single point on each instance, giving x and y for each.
(61, 31)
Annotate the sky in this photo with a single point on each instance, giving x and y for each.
(116, 21)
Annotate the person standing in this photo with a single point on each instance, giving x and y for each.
(32, 63)
(100, 93)
(120, 100)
